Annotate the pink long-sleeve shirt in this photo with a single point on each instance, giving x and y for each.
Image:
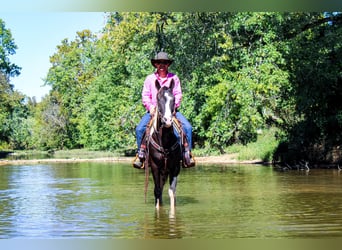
(149, 92)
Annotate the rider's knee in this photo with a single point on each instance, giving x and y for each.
(187, 128)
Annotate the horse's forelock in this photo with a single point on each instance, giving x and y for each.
(164, 93)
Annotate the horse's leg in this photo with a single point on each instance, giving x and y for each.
(172, 189)
(162, 177)
(158, 196)
(157, 193)
(156, 180)
(172, 195)
(158, 190)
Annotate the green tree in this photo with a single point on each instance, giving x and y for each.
(233, 73)
(10, 100)
(19, 128)
(112, 106)
(7, 48)
(48, 124)
(315, 68)
(240, 72)
(70, 76)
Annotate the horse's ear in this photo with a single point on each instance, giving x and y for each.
(157, 85)
(172, 84)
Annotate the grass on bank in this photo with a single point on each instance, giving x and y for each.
(262, 149)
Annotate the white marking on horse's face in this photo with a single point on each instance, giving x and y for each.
(168, 111)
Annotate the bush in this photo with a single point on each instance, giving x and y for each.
(263, 148)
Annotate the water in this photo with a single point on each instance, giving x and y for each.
(103, 200)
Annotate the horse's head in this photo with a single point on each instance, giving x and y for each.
(166, 103)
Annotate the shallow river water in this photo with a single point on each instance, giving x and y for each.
(106, 200)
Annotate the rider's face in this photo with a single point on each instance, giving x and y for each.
(162, 66)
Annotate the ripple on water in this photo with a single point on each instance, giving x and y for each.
(103, 200)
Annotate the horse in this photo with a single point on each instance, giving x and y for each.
(163, 147)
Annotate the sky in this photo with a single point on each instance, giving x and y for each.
(37, 35)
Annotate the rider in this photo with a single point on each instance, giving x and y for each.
(149, 95)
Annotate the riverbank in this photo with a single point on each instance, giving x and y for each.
(222, 159)
(256, 152)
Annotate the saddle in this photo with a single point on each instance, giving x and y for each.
(176, 125)
(187, 155)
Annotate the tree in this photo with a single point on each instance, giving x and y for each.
(233, 73)
(10, 100)
(71, 73)
(315, 65)
(240, 72)
(112, 106)
(7, 48)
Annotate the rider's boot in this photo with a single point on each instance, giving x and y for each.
(188, 160)
(140, 158)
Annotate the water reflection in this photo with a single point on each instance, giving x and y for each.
(213, 201)
(161, 226)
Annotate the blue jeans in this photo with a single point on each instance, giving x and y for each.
(140, 129)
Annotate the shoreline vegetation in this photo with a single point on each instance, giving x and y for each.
(258, 152)
(223, 159)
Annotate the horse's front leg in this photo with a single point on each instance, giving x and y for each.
(158, 190)
(157, 184)
(158, 196)
(172, 195)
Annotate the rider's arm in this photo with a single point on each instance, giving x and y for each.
(147, 94)
(177, 91)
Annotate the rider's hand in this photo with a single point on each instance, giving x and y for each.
(152, 109)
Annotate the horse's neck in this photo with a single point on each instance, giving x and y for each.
(154, 125)
(162, 135)
(168, 137)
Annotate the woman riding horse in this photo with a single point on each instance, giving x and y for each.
(149, 98)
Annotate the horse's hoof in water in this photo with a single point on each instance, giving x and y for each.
(171, 194)
(157, 204)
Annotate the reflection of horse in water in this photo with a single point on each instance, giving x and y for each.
(164, 151)
(162, 226)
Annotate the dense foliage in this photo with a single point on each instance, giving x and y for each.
(241, 73)
(11, 108)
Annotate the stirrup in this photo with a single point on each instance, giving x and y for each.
(138, 163)
(188, 160)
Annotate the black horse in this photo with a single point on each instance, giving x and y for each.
(164, 150)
